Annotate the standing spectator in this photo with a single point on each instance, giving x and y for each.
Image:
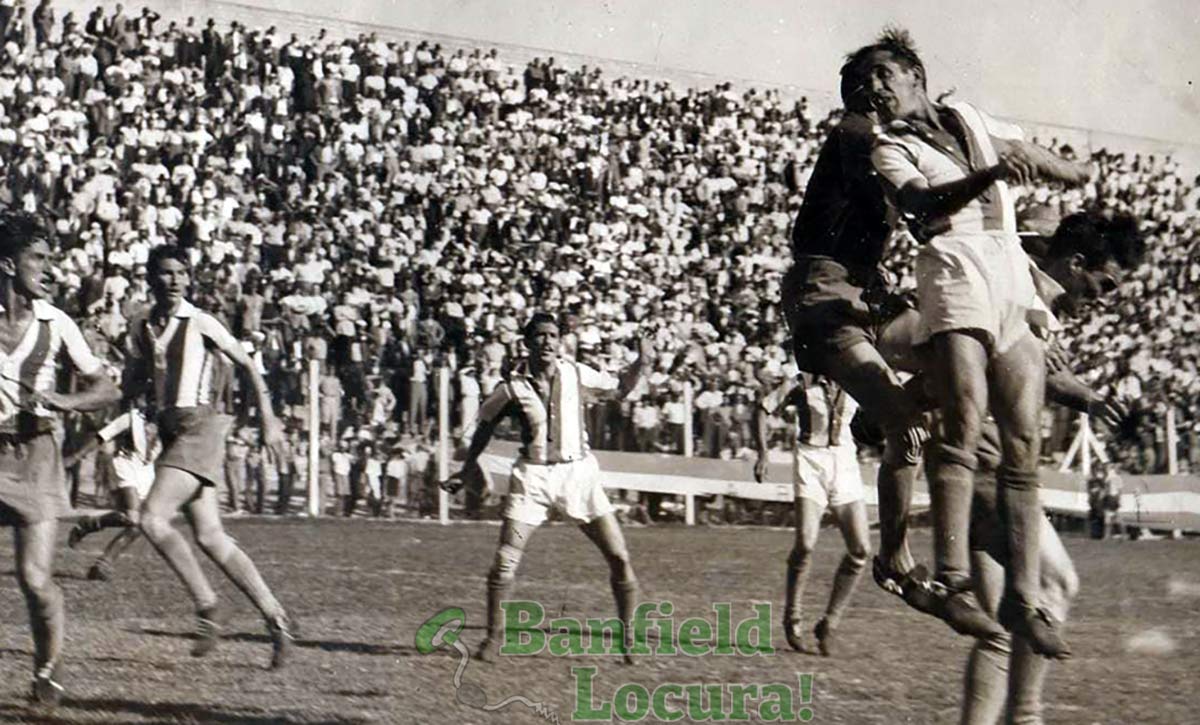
(396, 492)
(236, 450)
(342, 465)
(418, 395)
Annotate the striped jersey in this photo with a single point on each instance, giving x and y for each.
(904, 152)
(823, 409)
(189, 370)
(552, 429)
(33, 366)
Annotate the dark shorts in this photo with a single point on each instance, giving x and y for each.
(32, 481)
(824, 310)
(194, 441)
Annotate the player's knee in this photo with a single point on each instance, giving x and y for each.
(1017, 478)
(155, 527)
(1022, 447)
(36, 580)
(945, 453)
(211, 539)
(504, 567)
(133, 517)
(799, 555)
(857, 555)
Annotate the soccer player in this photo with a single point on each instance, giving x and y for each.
(555, 469)
(36, 337)
(133, 465)
(946, 168)
(1083, 261)
(838, 242)
(175, 348)
(826, 475)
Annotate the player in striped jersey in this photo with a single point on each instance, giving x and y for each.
(36, 338)
(546, 395)
(947, 168)
(133, 466)
(826, 475)
(174, 356)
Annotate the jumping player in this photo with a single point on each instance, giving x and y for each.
(826, 475)
(36, 337)
(177, 347)
(946, 168)
(133, 464)
(546, 395)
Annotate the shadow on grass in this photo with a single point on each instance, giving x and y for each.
(325, 645)
(174, 711)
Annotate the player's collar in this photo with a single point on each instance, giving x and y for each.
(42, 310)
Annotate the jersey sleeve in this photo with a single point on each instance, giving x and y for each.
(594, 381)
(1001, 129)
(494, 406)
(776, 400)
(894, 163)
(212, 329)
(82, 357)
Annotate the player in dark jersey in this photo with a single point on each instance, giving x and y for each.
(833, 299)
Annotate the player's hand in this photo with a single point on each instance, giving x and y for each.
(272, 437)
(1017, 165)
(760, 469)
(1110, 410)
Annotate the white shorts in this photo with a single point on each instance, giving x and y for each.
(572, 488)
(975, 281)
(827, 476)
(133, 473)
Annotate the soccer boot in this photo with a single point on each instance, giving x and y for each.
(208, 631)
(826, 638)
(914, 587)
(960, 609)
(83, 527)
(793, 633)
(101, 571)
(283, 640)
(46, 687)
(1037, 626)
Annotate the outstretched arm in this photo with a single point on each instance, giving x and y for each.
(1046, 164)
(272, 428)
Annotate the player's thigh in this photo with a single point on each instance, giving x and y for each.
(172, 490)
(204, 511)
(868, 378)
(896, 340)
(856, 531)
(605, 532)
(1017, 393)
(958, 367)
(516, 534)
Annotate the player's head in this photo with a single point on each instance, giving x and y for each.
(168, 272)
(886, 76)
(541, 335)
(25, 254)
(1089, 254)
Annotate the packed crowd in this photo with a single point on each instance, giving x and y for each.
(391, 208)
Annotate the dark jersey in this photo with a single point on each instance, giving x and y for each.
(844, 214)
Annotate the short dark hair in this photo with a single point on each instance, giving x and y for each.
(19, 230)
(1099, 238)
(896, 41)
(539, 318)
(163, 252)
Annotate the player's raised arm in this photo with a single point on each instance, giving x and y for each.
(1045, 163)
(272, 428)
(632, 375)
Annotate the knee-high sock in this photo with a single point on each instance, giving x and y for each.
(227, 555)
(47, 620)
(798, 565)
(844, 581)
(986, 681)
(625, 592)
(952, 483)
(174, 548)
(1021, 512)
(1026, 678)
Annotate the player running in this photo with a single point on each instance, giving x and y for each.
(133, 466)
(826, 475)
(946, 168)
(36, 338)
(175, 348)
(546, 395)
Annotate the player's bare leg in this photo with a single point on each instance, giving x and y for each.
(172, 490)
(1017, 391)
(514, 537)
(35, 546)
(1003, 672)
(865, 374)
(204, 514)
(606, 533)
(102, 568)
(852, 520)
(808, 528)
(125, 515)
(958, 364)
